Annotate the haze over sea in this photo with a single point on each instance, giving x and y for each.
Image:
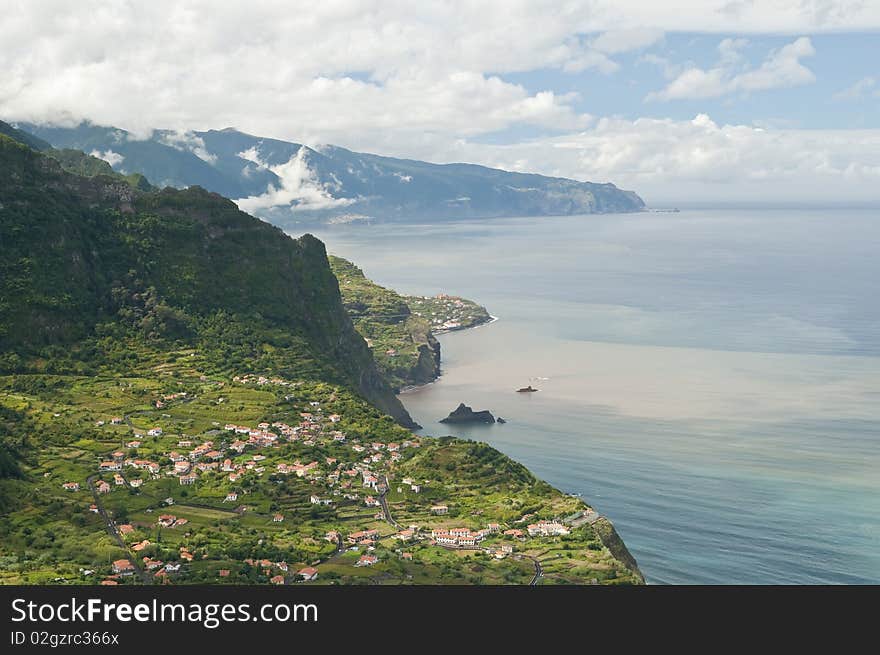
(709, 380)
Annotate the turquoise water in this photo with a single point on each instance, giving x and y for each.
(709, 380)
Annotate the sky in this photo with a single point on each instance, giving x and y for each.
(681, 100)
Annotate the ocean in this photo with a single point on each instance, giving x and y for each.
(709, 380)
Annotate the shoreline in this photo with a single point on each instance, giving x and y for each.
(416, 387)
(491, 320)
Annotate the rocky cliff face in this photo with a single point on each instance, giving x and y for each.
(82, 255)
(605, 529)
(406, 351)
(427, 368)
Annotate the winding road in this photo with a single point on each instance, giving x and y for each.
(113, 531)
(539, 572)
(384, 503)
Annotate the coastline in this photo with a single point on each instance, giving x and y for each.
(474, 326)
(410, 388)
(602, 524)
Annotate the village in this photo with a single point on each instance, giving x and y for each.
(447, 313)
(347, 481)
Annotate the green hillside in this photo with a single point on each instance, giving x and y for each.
(184, 399)
(403, 346)
(99, 276)
(400, 329)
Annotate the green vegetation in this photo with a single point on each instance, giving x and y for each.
(182, 392)
(400, 329)
(79, 163)
(447, 313)
(64, 430)
(74, 161)
(98, 276)
(403, 346)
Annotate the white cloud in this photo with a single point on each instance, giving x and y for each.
(424, 80)
(668, 67)
(699, 160)
(593, 52)
(204, 64)
(615, 42)
(858, 90)
(187, 141)
(299, 188)
(112, 158)
(252, 155)
(587, 58)
(730, 50)
(782, 68)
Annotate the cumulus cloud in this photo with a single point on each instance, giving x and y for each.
(112, 158)
(594, 51)
(782, 68)
(858, 90)
(699, 160)
(202, 64)
(299, 188)
(426, 80)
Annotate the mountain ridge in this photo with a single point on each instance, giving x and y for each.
(85, 258)
(290, 183)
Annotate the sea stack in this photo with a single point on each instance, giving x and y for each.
(464, 414)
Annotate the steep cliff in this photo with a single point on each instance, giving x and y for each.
(612, 541)
(88, 264)
(403, 345)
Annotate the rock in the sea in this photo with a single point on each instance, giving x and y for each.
(464, 414)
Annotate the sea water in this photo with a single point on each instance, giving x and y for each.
(709, 380)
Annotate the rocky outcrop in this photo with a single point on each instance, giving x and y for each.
(427, 367)
(465, 414)
(612, 541)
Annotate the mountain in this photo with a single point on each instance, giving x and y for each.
(23, 137)
(147, 336)
(290, 183)
(97, 275)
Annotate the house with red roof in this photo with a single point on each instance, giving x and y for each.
(362, 536)
(166, 520)
(123, 567)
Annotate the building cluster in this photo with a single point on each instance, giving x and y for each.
(361, 478)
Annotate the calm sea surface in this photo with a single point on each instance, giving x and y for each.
(709, 380)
